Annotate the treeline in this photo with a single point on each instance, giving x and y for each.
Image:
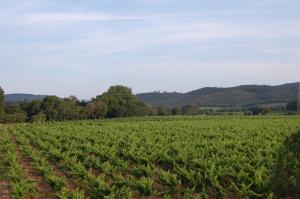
(118, 101)
(292, 106)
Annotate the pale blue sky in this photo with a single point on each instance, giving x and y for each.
(66, 47)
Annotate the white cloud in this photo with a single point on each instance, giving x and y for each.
(61, 17)
(75, 17)
(102, 41)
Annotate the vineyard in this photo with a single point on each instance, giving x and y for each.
(155, 157)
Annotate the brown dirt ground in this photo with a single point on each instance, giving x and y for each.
(5, 190)
(43, 189)
(71, 186)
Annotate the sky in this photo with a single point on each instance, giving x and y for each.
(75, 47)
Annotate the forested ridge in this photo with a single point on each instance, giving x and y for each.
(244, 95)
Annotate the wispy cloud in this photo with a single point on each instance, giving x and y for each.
(63, 17)
(76, 17)
(210, 35)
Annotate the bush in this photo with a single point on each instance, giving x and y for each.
(286, 178)
(15, 117)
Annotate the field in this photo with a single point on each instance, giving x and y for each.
(154, 157)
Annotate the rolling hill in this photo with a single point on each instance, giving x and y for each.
(225, 97)
(238, 96)
(22, 97)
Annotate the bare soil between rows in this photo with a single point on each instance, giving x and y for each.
(5, 190)
(43, 188)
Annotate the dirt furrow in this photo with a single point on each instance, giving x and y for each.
(5, 190)
(43, 189)
(71, 186)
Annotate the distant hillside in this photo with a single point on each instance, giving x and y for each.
(22, 97)
(225, 97)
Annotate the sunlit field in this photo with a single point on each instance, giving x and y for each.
(156, 157)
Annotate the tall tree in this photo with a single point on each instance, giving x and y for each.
(176, 110)
(118, 99)
(67, 110)
(13, 107)
(1, 104)
(96, 110)
(163, 111)
(34, 108)
(50, 107)
(190, 109)
(292, 105)
(140, 109)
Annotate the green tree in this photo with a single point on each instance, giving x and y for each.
(34, 108)
(176, 110)
(67, 109)
(292, 105)
(266, 110)
(2, 112)
(13, 107)
(83, 115)
(50, 107)
(96, 110)
(15, 117)
(81, 103)
(38, 118)
(260, 111)
(255, 110)
(163, 111)
(119, 99)
(72, 99)
(190, 109)
(285, 182)
(140, 109)
(154, 111)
